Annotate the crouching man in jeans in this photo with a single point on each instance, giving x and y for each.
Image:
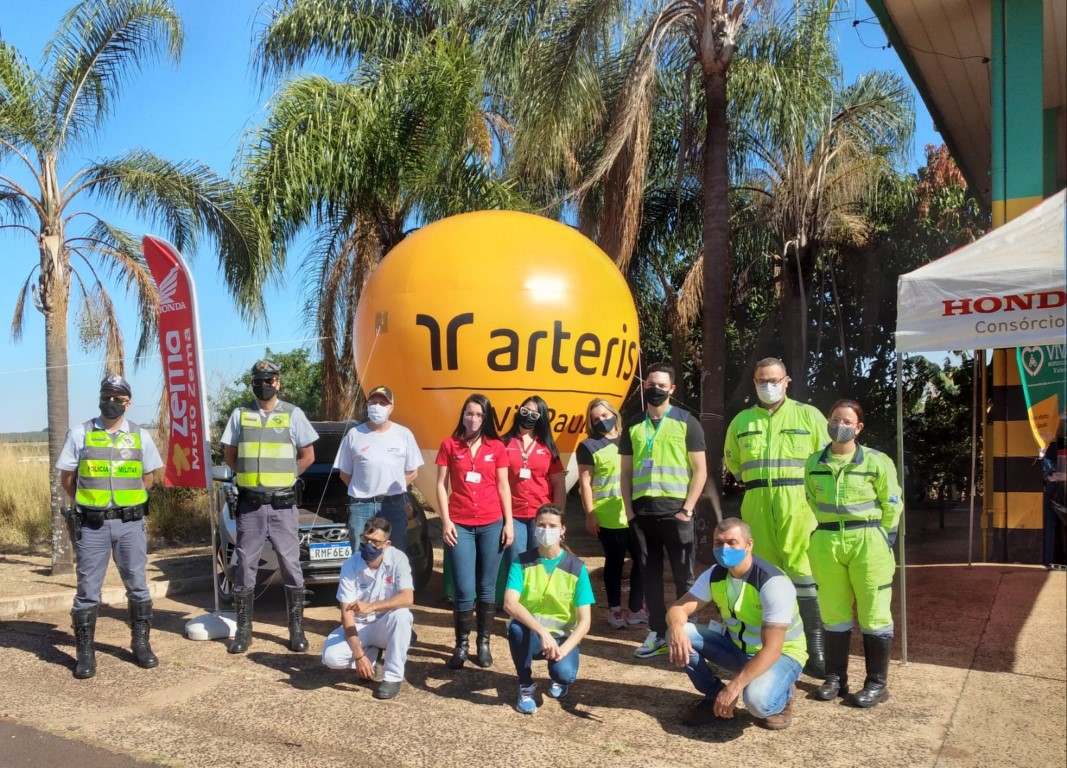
(376, 593)
(762, 641)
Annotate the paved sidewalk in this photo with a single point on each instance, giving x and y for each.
(986, 684)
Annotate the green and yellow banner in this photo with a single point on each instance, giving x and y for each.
(1043, 370)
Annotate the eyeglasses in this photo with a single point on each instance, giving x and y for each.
(774, 382)
(531, 412)
(114, 399)
(375, 542)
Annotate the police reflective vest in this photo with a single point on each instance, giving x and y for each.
(604, 481)
(669, 473)
(743, 613)
(111, 469)
(550, 596)
(266, 456)
(863, 490)
(765, 449)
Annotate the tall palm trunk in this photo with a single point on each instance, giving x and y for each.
(54, 296)
(716, 236)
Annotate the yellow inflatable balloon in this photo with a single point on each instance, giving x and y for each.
(503, 303)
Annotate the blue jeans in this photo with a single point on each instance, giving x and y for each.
(524, 540)
(394, 510)
(526, 646)
(474, 562)
(765, 696)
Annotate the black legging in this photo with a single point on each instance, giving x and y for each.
(617, 542)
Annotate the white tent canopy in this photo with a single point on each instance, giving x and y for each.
(1006, 289)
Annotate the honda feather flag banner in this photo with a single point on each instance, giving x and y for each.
(187, 459)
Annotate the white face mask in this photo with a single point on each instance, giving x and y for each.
(546, 537)
(769, 394)
(377, 414)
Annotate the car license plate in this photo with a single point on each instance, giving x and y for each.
(330, 551)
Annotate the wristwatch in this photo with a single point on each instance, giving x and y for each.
(686, 512)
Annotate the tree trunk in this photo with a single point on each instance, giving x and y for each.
(54, 292)
(716, 236)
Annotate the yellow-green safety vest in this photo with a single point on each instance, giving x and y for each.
(670, 473)
(549, 597)
(765, 449)
(266, 456)
(604, 482)
(111, 468)
(743, 614)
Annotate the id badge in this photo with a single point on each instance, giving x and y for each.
(524, 473)
(474, 477)
(646, 463)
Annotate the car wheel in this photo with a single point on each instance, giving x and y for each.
(225, 585)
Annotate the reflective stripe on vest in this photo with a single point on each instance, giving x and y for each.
(669, 475)
(549, 597)
(845, 492)
(266, 456)
(111, 468)
(764, 447)
(743, 617)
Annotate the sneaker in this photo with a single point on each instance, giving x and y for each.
(637, 617)
(557, 691)
(654, 645)
(527, 704)
(387, 690)
(616, 619)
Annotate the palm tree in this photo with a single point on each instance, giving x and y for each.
(47, 117)
(406, 139)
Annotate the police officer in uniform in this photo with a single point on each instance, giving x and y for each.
(106, 467)
(268, 443)
(766, 448)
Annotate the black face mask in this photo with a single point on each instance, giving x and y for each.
(655, 396)
(264, 391)
(527, 422)
(604, 425)
(111, 410)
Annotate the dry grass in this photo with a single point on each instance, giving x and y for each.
(177, 515)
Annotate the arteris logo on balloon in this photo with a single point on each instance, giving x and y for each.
(503, 303)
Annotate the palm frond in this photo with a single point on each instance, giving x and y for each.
(20, 122)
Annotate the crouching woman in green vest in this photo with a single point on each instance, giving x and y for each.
(854, 493)
(548, 597)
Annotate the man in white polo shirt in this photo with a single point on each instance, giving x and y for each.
(377, 460)
(376, 594)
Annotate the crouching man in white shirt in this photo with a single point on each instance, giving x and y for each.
(376, 593)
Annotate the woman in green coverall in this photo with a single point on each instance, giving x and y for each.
(854, 493)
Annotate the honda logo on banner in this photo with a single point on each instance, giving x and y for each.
(187, 460)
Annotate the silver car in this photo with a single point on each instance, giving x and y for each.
(324, 544)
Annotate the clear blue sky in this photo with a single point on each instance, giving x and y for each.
(200, 110)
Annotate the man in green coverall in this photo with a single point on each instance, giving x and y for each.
(766, 449)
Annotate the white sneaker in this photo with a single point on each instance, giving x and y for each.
(637, 617)
(616, 618)
(654, 645)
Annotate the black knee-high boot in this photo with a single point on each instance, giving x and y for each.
(837, 645)
(876, 651)
(486, 614)
(461, 621)
(813, 631)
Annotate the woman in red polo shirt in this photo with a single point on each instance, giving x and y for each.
(535, 475)
(475, 521)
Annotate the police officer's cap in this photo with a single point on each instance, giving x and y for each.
(115, 383)
(265, 369)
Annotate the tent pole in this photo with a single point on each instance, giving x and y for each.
(901, 529)
(974, 458)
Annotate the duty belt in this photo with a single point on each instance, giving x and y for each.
(377, 499)
(849, 524)
(776, 483)
(114, 513)
(286, 497)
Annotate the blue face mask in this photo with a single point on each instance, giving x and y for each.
(729, 558)
(369, 552)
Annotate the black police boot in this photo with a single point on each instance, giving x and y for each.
(813, 631)
(242, 606)
(837, 645)
(140, 625)
(294, 602)
(486, 613)
(876, 651)
(462, 621)
(83, 622)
